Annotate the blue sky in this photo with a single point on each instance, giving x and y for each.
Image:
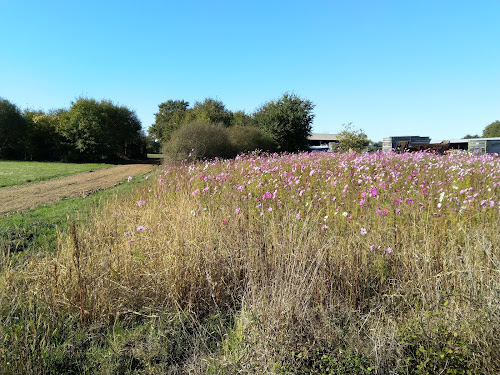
(406, 67)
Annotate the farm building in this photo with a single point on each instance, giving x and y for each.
(322, 141)
(480, 145)
(389, 143)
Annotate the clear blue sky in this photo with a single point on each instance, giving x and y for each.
(402, 67)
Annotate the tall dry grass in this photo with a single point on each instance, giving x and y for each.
(313, 280)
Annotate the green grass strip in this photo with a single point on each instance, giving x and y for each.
(20, 172)
(37, 229)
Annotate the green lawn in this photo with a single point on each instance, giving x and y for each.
(21, 172)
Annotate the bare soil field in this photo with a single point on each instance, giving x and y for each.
(32, 195)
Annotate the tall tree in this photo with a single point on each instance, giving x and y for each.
(288, 120)
(170, 116)
(492, 130)
(12, 131)
(96, 131)
(44, 141)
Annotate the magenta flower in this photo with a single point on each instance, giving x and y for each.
(388, 250)
(140, 203)
(140, 228)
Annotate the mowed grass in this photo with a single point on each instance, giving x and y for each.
(20, 172)
(284, 264)
(37, 230)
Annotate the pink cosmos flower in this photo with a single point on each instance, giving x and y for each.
(363, 231)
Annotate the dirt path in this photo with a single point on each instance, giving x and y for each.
(32, 195)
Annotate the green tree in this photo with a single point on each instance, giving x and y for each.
(97, 131)
(211, 111)
(170, 116)
(44, 141)
(469, 136)
(240, 118)
(12, 131)
(288, 120)
(492, 130)
(351, 139)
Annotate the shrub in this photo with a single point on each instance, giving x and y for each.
(199, 140)
(250, 138)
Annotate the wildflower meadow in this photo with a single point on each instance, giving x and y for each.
(323, 263)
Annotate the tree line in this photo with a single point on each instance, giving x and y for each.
(208, 129)
(89, 130)
(92, 130)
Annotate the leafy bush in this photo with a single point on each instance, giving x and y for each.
(351, 139)
(199, 140)
(250, 138)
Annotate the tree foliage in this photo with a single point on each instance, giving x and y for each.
(170, 116)
(492, 130)
(211, 111)
(198, 140)
(469, 136)
(97, 131)
(44, 140)
(351, 139)
(249, 138)
(12, 131)
(288, 120)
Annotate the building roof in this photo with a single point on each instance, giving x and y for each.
(465, 140)
(323, 137)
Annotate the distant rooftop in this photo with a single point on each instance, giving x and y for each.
(323, 137)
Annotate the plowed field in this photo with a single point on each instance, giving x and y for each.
(32, 195)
